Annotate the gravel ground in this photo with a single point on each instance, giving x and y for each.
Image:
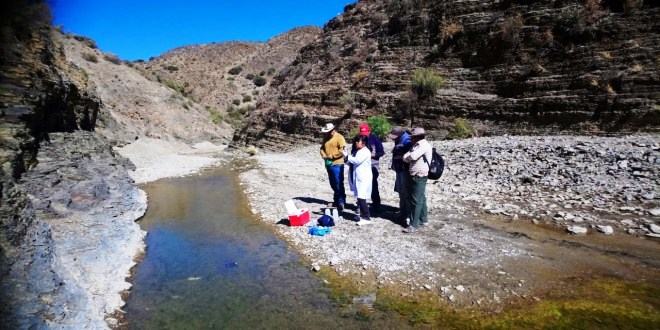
(502, 217)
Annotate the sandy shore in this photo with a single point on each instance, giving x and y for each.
(156, 159)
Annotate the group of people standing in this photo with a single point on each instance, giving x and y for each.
(410, 160)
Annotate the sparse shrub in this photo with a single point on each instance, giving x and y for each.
(247, 98)
(112, 58)
(235, 70)
(171, 68)
(90, 57)
(380, 126)
(360, 75)
(425, 83)
(262, 73)
(259, 81)
(462, 130)
(173, 85)
(271, 71)
(252, 150)
(347, 100)
(236, 101)
(216, 116)
(249, 76)
(230, 78)
(255, 92)
(434, 51)
(449, 30)
(511, 28)
(630, 5)
(89, 42)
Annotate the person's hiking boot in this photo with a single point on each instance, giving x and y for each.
(363, 222)
(340, 208)
(357, 218)
(410, 230)
(422, 224)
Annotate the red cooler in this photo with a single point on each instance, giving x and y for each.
(299, 219)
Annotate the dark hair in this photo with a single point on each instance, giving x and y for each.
(363, 138)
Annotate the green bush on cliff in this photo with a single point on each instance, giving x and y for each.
(259, 81)
(425, 83)
(462, 130)
(380, 126)
(235, 70)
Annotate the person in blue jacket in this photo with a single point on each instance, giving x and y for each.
(403, 144)
(376, 147)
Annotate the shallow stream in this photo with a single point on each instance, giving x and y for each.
(210, 264)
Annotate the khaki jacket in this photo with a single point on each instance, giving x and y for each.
(418, 167)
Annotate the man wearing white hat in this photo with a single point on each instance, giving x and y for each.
(418, 157)
(332, 151)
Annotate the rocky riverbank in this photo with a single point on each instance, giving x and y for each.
(503, 218)
(71, 266)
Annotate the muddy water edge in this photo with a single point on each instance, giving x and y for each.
(209, 264)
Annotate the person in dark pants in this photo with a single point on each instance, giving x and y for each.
(418, 158)
(332, 151)
(375, 146)
(402, 144)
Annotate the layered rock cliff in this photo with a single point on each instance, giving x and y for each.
(533, 67)
(62, 261)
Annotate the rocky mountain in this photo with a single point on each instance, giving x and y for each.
(516, 67)
(227, 77)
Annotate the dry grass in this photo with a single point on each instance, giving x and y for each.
(360, 75)
(511, 27)
(449, 30)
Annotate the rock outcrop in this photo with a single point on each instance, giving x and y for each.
(67, 204)
(533, 67)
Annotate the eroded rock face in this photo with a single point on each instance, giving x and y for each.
(540, 67)
(67, 205)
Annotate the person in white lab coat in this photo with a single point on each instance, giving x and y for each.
(360, 178)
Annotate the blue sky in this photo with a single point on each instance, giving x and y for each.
(140, 29)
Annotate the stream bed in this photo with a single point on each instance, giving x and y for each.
(210, 264)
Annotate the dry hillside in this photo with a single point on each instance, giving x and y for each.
(229, 76)
(133, 106)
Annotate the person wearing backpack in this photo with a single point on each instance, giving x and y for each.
(418, 157)
(402, 144)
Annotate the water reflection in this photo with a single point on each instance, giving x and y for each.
(210, 265)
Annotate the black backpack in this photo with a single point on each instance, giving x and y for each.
(436, 166)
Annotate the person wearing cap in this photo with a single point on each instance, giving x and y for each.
(375, 146)
(418, 157)
(332, 151)
(402, 144)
